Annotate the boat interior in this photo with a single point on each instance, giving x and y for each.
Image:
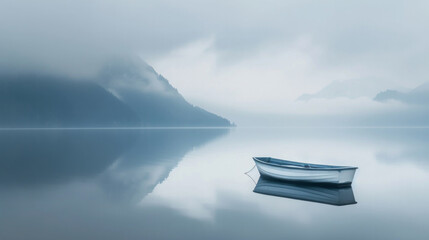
(294, 164)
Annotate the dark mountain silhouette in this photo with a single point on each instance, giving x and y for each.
(127, 92)
(44, 101)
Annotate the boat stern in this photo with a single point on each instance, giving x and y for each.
(346, 176)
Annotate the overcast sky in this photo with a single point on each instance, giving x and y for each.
(256, 56)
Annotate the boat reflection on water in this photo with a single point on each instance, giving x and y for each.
(306, 192)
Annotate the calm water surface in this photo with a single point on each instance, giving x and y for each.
(190, 184)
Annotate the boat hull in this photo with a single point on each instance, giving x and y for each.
(333, 176)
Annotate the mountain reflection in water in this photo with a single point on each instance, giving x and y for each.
(37, 157)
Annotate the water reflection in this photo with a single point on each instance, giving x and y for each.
(306, 192)
(29, 158)
(404, 146)
(150, 160)
(172, 184)
(40, 157)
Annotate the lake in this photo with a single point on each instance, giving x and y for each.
(191, 184)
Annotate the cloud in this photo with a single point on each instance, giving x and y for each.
(47, 31)
(75, 37)
(263, 81)
(239, 54)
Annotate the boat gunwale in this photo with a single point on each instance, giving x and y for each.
(327, 167)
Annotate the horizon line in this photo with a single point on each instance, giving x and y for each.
(210, 127)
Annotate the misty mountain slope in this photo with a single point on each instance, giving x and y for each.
(126, 93)
(389, 95)
(417, 96)
(151, 96)
(42, 101)
(346, 89)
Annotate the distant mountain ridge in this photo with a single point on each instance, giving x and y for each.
(345, 89)
(417, 96)
(127, 92)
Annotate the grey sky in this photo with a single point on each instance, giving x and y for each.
(243, 50)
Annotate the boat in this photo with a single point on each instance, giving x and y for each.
(304, 172)
(306, 192)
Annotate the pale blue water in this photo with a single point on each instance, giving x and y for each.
(190, 184)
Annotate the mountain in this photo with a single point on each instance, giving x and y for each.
(389, 95)
(346, 89)
(417, 96)
(46, 101)
(151, 96)
(126, 93)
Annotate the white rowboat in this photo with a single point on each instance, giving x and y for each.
(304, 172)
